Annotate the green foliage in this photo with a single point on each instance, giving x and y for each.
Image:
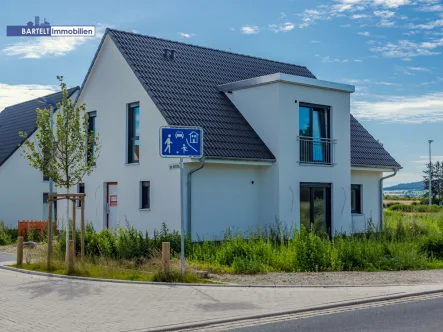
(407, 242)
(416, 208)
(60, 154)
(175, 276)
(5, 235)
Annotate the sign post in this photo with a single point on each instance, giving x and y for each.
(181, 142)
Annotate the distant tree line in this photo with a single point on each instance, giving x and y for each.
(437, 180)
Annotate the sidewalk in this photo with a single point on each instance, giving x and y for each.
(38, 303)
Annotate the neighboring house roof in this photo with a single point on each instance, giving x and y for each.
(366, 150)
(21, 117)
(185, 89)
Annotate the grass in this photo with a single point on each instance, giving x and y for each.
(106, 268)
(408, 242)
(416, 208)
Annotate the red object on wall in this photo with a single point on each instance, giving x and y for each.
(113, 200)
(36, 225)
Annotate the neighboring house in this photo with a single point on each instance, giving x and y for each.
(278, 143)
(23, 189)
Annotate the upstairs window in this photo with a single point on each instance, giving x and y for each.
(356, 198)
(91, 129)
(133, 133)
(314, 134)
(145, 195)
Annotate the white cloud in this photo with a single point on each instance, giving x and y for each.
(282, 27)
(250, 29)
(428, 26)
(14, 94)
(418, 68)
(328, 59)
(358, 60)
(38, 47)
(360, 16)
(408, 49)
(392, 3)
(384, 13)
(365, 34)
(186, 35)
(434, 8)
(404, 109)
(315, 42)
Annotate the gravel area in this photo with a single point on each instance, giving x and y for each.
(10, 249)
(335, 278)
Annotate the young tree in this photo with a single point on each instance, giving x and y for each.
(67, 152)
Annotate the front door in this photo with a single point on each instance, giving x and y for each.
(315, 207)
(112, 205)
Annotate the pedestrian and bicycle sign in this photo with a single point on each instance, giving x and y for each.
(181, 142)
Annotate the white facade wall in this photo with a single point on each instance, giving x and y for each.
(110, 87)
(21, 190)
(272, 110)
(226, 197)
(370, 198)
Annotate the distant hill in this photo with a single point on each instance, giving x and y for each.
(408, 186)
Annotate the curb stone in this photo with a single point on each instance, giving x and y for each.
(3, 266)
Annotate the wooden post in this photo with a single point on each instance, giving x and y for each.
(166, 252)
(49, 232)
(71, 254)
(19, 250)
(82, 202)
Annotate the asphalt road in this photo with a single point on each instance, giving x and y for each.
(424, 315)
(4, 257)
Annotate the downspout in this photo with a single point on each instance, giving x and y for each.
(381, 195)
(189, 196)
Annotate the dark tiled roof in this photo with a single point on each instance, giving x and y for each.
(366, 150)
(185, 89)
(20, 117)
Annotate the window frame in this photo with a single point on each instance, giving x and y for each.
(91, 150)
(79, 191)
(145, 201)
(326, 109)
(131, 128)
(357, 190)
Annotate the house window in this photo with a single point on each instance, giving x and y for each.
(45, 206)
(145, 195)
(91, 129)
(356, 198)
(133, 133)
(45, 178)
(80, 190)
(314, 134)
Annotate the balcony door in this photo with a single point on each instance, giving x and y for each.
(315, 207)
(314, 134)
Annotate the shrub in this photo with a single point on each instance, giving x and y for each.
(416, 208)
(5, 237)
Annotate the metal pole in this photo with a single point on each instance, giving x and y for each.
(182, 215)
(51, 191)
(430, 174)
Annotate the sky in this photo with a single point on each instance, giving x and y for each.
(391, 50)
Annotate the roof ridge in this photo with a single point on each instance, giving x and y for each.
(31, 100)
(208, 48)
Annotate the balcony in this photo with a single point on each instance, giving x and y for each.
(316, 150)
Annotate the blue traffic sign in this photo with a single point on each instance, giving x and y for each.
(179, 142)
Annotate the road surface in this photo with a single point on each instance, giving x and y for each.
(407, 317)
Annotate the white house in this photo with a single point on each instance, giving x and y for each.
(278, 143)
(23, 189)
